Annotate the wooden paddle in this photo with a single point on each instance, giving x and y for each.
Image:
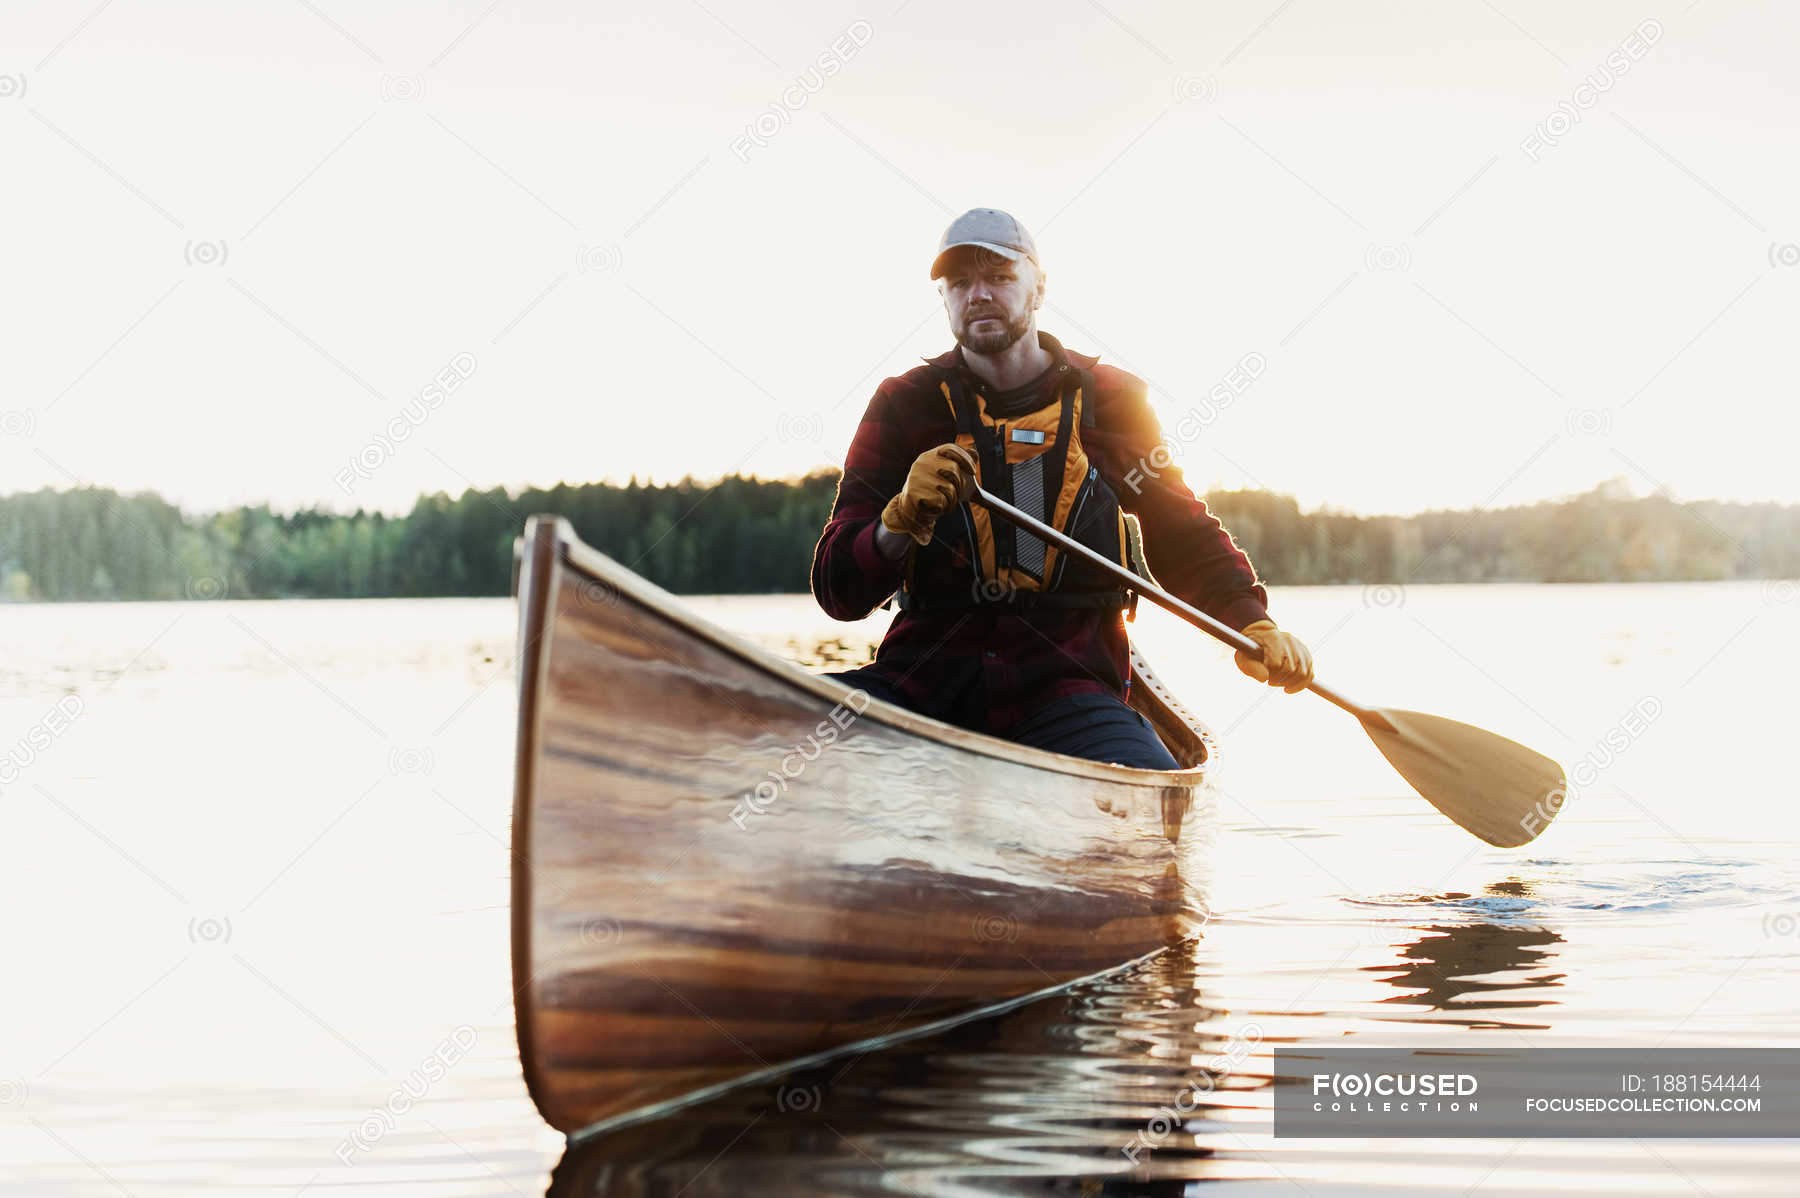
(1495, 788)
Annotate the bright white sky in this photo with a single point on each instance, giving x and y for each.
(552, 188)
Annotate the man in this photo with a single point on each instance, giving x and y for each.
(997, 631)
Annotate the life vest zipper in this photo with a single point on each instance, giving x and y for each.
(1087, 486)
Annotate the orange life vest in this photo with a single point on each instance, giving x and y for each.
(1034, 461)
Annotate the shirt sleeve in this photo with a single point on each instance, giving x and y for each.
(850, 575)
(1189, 551)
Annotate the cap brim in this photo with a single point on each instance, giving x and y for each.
(937, 264)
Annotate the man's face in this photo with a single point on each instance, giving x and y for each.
(989, 298)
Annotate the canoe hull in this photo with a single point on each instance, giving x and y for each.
(723, 864)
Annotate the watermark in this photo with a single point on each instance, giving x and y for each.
(402, 89)
(602, 931)
(1330, 1091)
(1188, 88)
(1590, 422)
(1784, 253)
(594, 593)
(1562, 120)
(1611, 746)
(996, 927)
(38, 738)
(780, 114)
(386, 441)
(1384, 594)
(993, 590)
(763, 796)
(12, 87)
(1396, 257)
(1776, 591)
(1197, 419)
(1781, 925)
(798, 1100)
(600, 259)
(18, 422)
(411, 759)
(206, 253)
(206, 586)
(808, 427)
(384, 1117)
(212, 929)
(1172, 1117)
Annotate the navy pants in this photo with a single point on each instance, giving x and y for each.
(1100, 727)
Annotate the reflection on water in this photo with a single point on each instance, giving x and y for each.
(1471, 967)
(1141, 1082)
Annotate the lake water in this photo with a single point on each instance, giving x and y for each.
(253, 876)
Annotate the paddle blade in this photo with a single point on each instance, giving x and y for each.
(1498, 789)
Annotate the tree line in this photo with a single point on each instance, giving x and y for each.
(743, 535)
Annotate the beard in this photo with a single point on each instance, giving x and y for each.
(993, 340)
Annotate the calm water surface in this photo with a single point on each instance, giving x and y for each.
(253, 876)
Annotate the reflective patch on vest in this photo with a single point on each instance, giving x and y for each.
(1028, 436)
(1028, 497)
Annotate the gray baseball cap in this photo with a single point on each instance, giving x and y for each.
(990, 229)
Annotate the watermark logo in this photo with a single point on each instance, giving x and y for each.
(602, 932)
(1396, 257)
(1784, 253)
(1781, 925)
(798, 1100)
(12, 87)
(762, 797)
(402, 89)
(206, 253)
(18, 422)
(1186, 89)
(209, 930)
(412, 759)
(594, 593)
(600, 259)
(806, 427)
(1562, 120)
(1585, 772)
(1384, 595)
(39, 737)
(1197, 419)
(384, 1117)
(996, 927)
(1172, 1117)
(386, 441)
(1590, 422)
(780, 113)
(206, 586)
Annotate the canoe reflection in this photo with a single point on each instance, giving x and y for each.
(1052, 1097)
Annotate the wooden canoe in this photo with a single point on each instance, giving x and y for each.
(724, 865)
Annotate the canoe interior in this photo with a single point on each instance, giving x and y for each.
(724, 864)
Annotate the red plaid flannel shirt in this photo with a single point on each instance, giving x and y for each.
(989, 668)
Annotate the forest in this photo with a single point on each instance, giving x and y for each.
(741, 535)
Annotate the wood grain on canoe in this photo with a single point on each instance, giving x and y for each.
(724, 864)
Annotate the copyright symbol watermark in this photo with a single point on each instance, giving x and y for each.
(1384, 594)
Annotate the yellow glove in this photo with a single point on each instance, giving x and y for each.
(1285, 660)
(940, 479)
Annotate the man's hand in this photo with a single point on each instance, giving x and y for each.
(940, 479)
(1285, 660)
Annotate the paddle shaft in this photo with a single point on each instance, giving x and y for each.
(1156, 594)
